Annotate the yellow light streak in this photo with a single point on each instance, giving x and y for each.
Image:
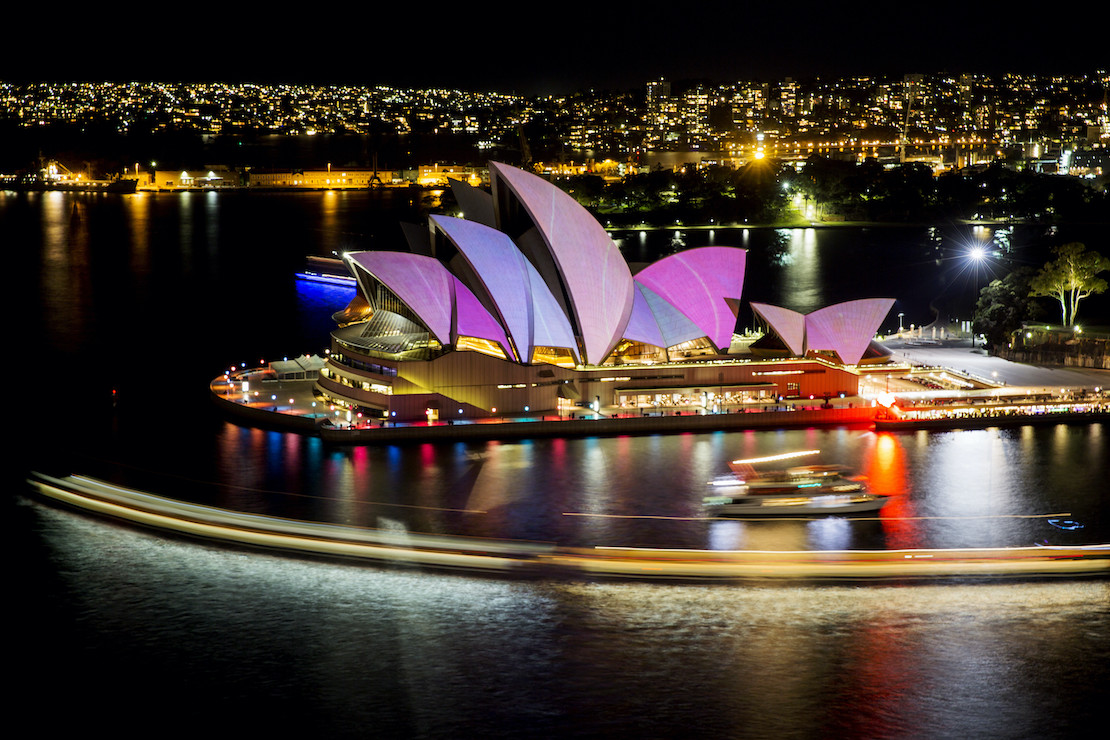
(536, 557)
(774, 458)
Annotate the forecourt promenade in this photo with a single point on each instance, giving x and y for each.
(960, 357)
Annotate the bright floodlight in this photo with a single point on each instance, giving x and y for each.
(977, 253)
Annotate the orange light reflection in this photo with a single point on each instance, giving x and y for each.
(886, 473)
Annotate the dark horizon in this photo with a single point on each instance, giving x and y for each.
(500, 51)
(570, 80)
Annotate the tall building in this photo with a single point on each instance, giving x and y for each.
(662, 113)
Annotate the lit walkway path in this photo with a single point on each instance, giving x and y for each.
(978, 363)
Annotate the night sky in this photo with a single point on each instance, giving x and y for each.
(532, 47)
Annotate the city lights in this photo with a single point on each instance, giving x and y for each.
(955, 121)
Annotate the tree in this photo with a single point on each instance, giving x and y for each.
(1070, 278)
(823, 180)
(1002, 307)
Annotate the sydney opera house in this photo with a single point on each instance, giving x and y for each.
(527, 306)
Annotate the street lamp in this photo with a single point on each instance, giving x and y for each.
(977, 255)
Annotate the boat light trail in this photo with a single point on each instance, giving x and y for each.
(91, 481)
(550, 559)
(782, 518)
(774, 458)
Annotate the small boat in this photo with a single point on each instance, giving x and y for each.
(319, 277)
(326, 270)
(807, 490)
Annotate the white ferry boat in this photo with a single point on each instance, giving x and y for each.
(807, 490)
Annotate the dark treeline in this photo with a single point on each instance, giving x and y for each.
(750, 194)
(763, 192)
(910, 192)
(96, 147)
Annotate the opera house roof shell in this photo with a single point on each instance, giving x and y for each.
(843, 328)
(534, 269)
(532, 277)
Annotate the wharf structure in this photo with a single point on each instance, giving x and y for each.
(219, 177)
(527, 306)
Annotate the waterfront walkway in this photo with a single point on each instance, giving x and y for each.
(977, 378)
(291, 405)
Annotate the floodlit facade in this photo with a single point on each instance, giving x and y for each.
(527, 306)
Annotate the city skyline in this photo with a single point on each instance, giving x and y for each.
(499, 49)
(866, 111)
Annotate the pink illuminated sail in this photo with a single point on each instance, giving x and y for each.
(578, 255)
(704, 285)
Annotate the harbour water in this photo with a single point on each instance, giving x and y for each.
(129, 629)
(135, 302)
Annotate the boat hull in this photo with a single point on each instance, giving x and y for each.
(767, 507)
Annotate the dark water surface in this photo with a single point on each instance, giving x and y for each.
(151, 296)
(147, 635)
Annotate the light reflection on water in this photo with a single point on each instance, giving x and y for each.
(343, 647)
(979, 488)
(803, 272)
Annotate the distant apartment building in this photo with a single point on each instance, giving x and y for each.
(1086, 162)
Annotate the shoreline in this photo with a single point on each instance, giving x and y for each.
(1050, 394)
(861, 416)
(601, 217)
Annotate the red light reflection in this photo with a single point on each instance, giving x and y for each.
(885, 468)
